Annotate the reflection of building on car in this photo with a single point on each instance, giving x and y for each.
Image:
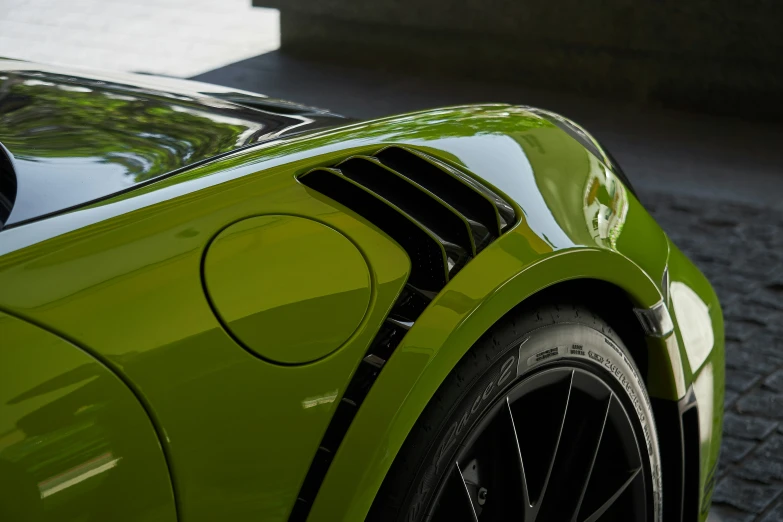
(217, 305)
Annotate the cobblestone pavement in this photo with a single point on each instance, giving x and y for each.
(740, 248)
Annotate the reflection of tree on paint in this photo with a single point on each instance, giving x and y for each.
(454, 122)
(605, 204)
(148, 134)
(64, 442)
(79, 438)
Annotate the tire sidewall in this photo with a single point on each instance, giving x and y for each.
(545, 347)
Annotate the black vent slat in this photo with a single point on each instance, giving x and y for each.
(426, 253)
(506, 212)
(410, 304)
(481, 236)
(412, 198)
(463, 192)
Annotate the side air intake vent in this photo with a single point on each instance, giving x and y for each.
(442, 217)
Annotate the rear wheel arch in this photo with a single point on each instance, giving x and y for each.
(441, 337)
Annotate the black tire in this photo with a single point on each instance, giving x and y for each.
(522, 367)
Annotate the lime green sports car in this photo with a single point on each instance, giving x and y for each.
(217, 306)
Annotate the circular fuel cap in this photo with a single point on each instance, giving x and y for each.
(289, 289)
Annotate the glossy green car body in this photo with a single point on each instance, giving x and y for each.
(123, 392)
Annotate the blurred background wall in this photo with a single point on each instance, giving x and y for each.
(719, 55)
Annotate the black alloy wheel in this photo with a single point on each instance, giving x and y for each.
(581, 462)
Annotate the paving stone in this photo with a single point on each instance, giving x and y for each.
(775, 381)
(733, 449)
(745, 495)
(775, 327)
(768, 345)
(762, 263)
(744, 329)
(775, 514)
(723, 513)
(760, 469)
(736, 283)
(737, 208)
(743, 359)
(729, 398)
(740, 380)
(760, 316)
(772, 448)
(762, 402)
(771, 300)
(746, 427)
(720, 221)
(704, 258)
(765, 232)
(738, 309)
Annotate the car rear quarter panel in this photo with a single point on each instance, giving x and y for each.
(75, 444)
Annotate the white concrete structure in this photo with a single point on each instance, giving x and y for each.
(170, 37)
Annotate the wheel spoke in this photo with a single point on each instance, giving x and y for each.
(618, 457)
(492, 467)
(582, 430)
(544, 400)
(454, 503)
(525, 494)
(557, 444)
(606, 505)
(595, 454)
(471, 509)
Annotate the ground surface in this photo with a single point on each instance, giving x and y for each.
(714, 184)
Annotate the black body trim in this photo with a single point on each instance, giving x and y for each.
(678, 435)
(656, 320)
